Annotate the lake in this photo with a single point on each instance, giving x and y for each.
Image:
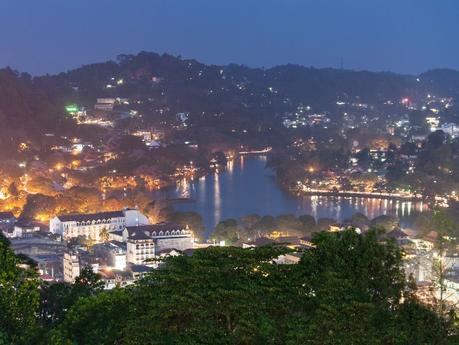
(246, 187)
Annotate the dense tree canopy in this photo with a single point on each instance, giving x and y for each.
(349, 289)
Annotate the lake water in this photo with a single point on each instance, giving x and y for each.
(246, 187)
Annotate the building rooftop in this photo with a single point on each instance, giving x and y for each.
(292, 240)
(90, 216)
(167, 251)
(140, 268)
(396, 234)
(262, 241)
(6, 215)
(164, 226)
(160, 229)
(136, 233)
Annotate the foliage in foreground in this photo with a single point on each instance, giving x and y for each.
(350, 289)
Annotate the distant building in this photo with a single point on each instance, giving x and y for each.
(138, 271)
(400, 237)
(259, 242)
(335, 227)
(113, 253)
(105, 104)
(306, 242)
(7, 219)
(450, 128)
(114, 278)
(288, 259)
(93, 225)
(24, 229)
(71, 266)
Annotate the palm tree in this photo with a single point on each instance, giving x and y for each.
(104, 236)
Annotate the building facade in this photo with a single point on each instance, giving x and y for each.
(140, 247)
(147, 241)
(97, 225)
(71, 267)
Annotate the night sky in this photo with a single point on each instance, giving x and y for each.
(407, 36)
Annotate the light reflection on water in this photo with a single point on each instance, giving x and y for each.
(247, 187)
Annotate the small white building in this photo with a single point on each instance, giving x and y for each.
(450, 128)
(93, 225)
(288, 259)
(113, 253)
(23, 230)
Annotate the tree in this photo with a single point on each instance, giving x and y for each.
(288, 222)
(249, 221)
(435, 140)
(87, 283)
(55, 300)
(349, 289)
(308, 222)
(226, 230)
(190, 219)
(58, 298)
(417, 119)
(19, 298)
(157, 210)
(231, 298)
(265, 226)
(386, 222)
(357, 283)
(94, 320)
(359, 220)
(363, 157)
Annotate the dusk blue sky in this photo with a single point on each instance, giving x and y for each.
(408, 36)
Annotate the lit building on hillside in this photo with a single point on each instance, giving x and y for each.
(94, 225)
(146, 241)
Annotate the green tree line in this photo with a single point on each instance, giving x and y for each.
(349, 289)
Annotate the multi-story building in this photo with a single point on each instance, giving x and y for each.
(97, 225)
(165, 235)
(71, 266)
(140, 246)
(147, 241)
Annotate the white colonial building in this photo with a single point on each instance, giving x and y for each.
(93, 225)
(148, 241)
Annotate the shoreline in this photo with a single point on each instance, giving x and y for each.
(375, 195)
